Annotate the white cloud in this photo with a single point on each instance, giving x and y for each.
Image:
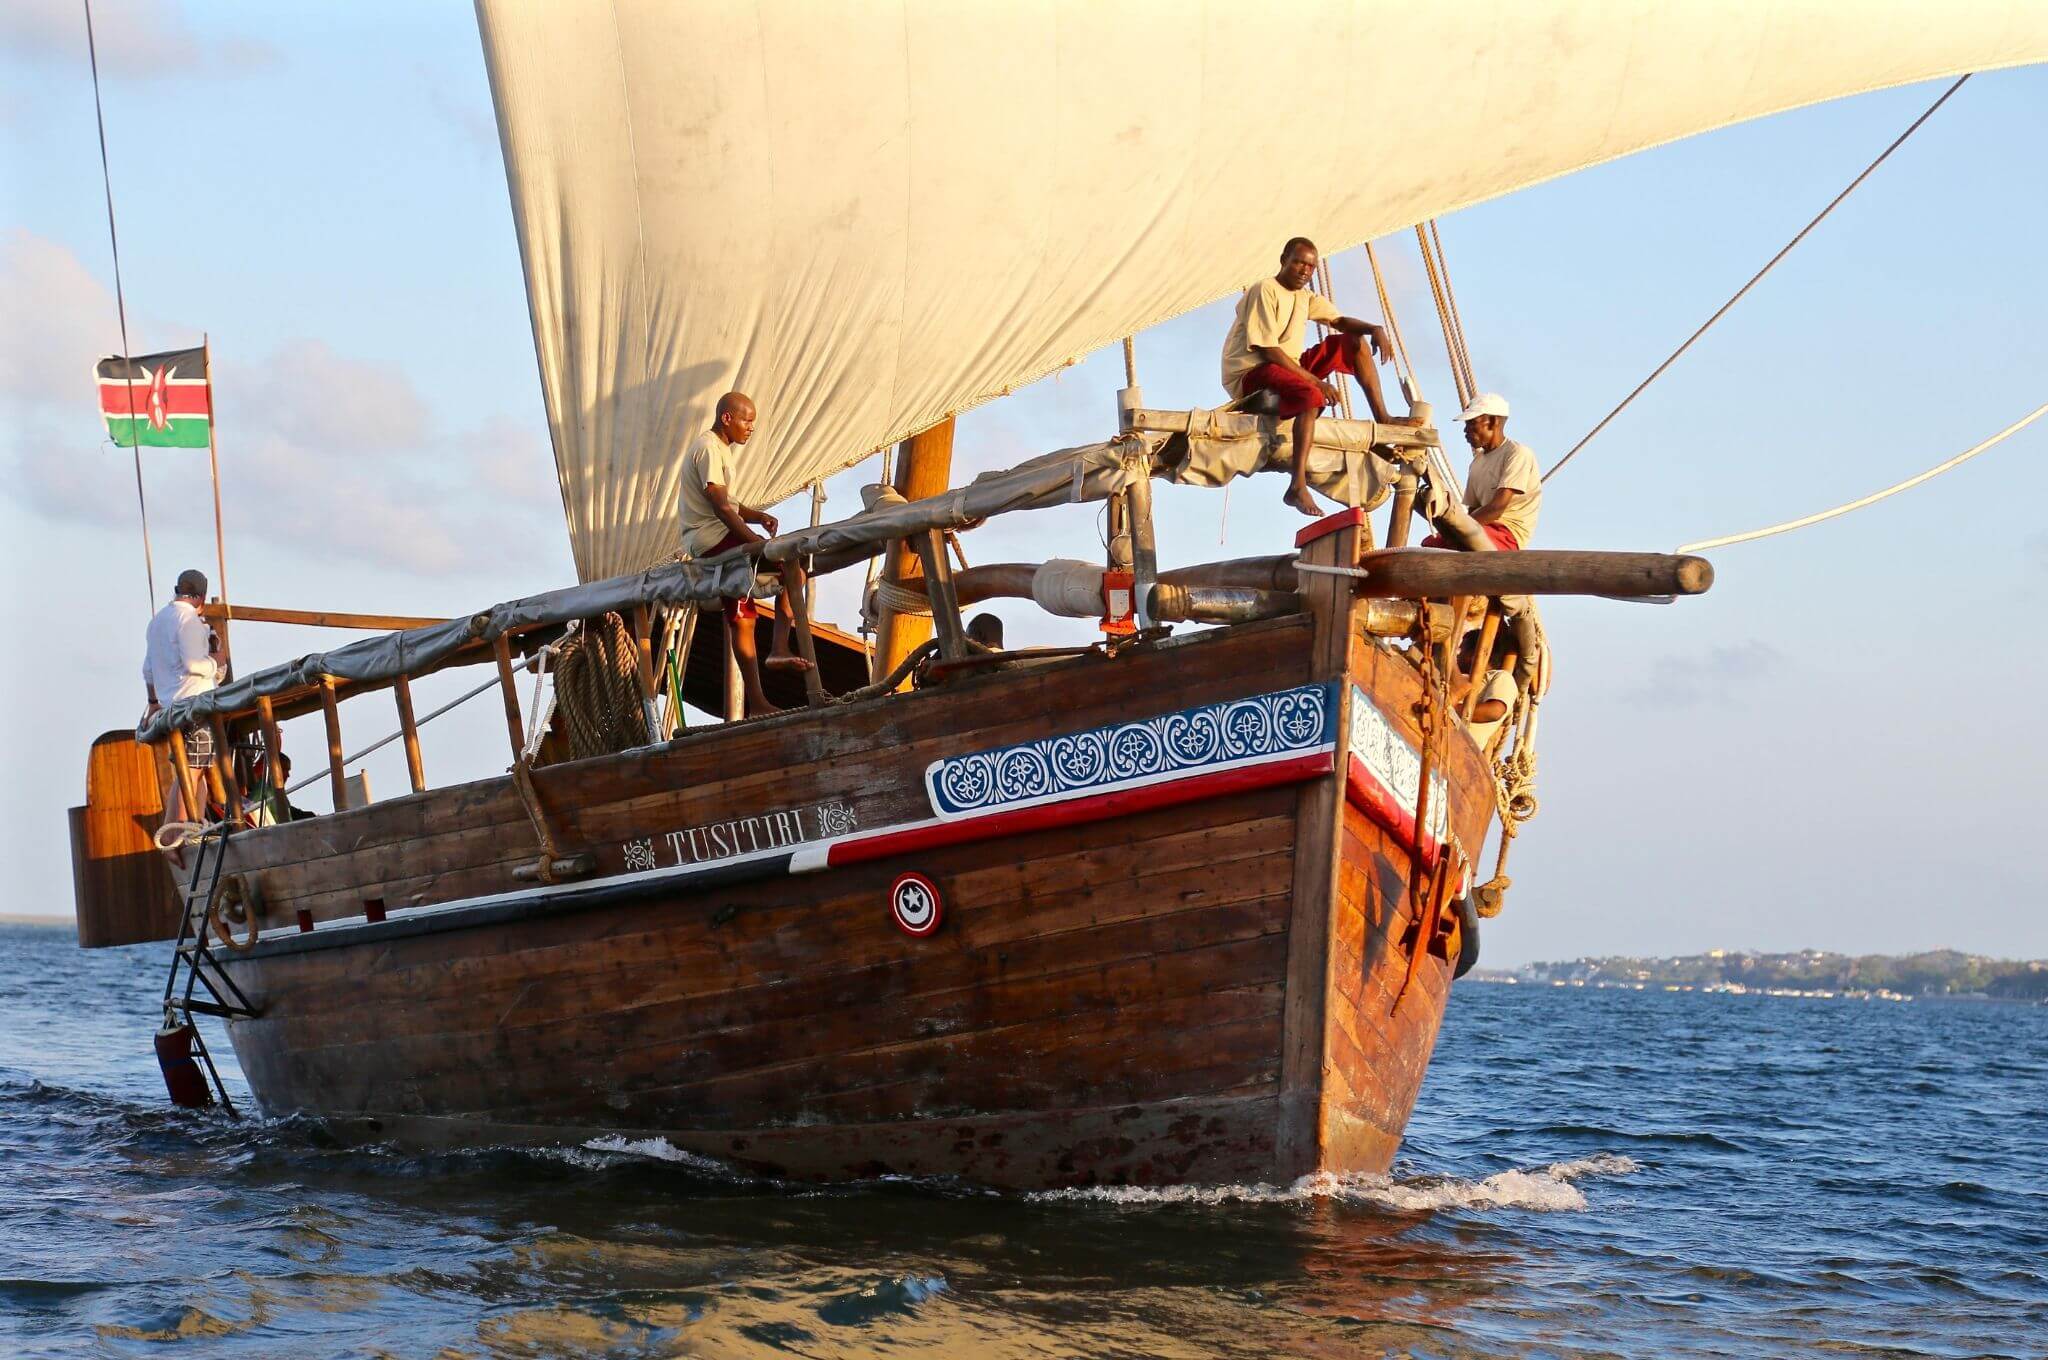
(313, 396)
(325, 458)
(1716, 675)
(134, 38)
(59, 319)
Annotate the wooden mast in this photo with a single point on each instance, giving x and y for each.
(924, 467)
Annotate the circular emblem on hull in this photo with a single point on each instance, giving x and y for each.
(914, 905)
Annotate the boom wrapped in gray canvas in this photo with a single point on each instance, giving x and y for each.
(1088, 473)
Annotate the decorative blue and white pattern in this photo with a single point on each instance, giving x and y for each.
(1389, 758)
(1209, 739)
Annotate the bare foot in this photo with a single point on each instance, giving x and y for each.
(1302, 499)
(761, 708)
(786, 662)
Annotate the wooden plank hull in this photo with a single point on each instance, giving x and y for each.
(1128, 983)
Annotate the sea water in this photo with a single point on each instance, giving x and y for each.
(1587, 1173)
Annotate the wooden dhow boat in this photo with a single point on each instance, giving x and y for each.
(1181, 905)
(1156, 911)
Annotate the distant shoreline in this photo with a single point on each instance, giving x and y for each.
(11, 918)
(1934, 973)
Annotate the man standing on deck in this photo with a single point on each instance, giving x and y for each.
(1503, 489)
(181, 658)
(714, 523)
(1259, 356)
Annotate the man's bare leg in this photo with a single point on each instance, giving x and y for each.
(1298, 495)
(743, 648)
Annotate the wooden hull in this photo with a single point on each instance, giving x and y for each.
(1186, 979)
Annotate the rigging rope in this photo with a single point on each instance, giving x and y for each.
(1443, 318)
(1326, 285)
(1443, 264)
(1405, 368)
(120, 302)
(1769, 265)
(1515, 799)
(1876, 496)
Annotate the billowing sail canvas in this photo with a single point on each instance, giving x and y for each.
(873, 215)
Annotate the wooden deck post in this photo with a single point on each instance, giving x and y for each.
(938, 582)
(1331, 601)
(216, 787)
(188, 786)
(273, 743)
(224, 765)
(409, 732)
(509, 690)
(1144, 548)
(735, 683)
(330, 709)
(1480, 659)
(1405, 488)
(924, 467)
(643, 667)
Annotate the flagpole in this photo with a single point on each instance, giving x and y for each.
(220, 550)
(121, 309)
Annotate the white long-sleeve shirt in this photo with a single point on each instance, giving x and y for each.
(177, 662)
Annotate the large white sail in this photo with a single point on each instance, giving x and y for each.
(871, 214)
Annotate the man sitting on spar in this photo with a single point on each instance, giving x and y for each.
(1503, 488)
(1259, 356)
(713, 523)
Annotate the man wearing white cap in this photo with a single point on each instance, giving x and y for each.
(1503, 491)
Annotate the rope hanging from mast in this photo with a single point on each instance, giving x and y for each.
(1439, 289)
(1405, 368)
(120, 302)
(1874, 497)
(1443, 264)
(1755, 278)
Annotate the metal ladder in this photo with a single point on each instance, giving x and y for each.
(193, 963)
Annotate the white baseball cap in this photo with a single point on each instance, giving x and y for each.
(1486, 404)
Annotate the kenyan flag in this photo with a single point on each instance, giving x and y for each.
(172, 403)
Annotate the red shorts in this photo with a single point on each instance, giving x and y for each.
(1334, 354)
(1502, 536)
(742, 608)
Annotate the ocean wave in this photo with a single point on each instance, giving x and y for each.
(1551, 1189)
(599, 1154)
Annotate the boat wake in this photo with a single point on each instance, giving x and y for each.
(600, 1153)
(1552, 1189)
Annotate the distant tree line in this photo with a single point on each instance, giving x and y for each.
(1940, 972)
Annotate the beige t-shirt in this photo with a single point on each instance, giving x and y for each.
(708, 463)
(1511, 465)
(1499, 685)
(1269, 313)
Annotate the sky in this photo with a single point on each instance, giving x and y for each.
(1836, 748)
